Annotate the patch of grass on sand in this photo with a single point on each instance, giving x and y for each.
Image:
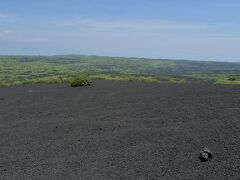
(132, 78)
(85, 79)
(141, 78)
(220, 78)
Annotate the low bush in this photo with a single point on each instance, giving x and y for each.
(81, 80)
(232, 79)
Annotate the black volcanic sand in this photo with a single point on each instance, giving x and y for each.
(119, 130)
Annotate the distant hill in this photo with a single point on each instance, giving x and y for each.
(134, 65)
(29, 68)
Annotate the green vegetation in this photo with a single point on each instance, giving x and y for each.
(82, 80)
(126, 78)
(221, 78)
(141, 78)
(17, 70)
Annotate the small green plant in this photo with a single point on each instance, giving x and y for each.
(232, 79)
(81, 80)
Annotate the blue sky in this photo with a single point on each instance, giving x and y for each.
(182, 29)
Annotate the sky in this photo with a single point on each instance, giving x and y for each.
(174, 29)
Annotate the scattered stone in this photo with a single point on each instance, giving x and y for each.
(205, 155)
(27, 157)
(1, 99)
(100, 129)
(30, 91)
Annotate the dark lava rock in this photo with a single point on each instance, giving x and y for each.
(27, 157)
(205, 155)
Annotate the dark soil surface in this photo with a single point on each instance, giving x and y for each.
(119, 130)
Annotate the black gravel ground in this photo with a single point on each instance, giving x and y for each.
(119, 130)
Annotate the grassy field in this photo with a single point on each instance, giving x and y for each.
(17, 70)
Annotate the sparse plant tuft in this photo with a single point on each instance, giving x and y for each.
(82, 80)
(232, 79)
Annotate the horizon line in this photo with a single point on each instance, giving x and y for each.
(113, 56)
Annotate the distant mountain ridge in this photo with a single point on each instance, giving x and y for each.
(16, 70)
(136, 65)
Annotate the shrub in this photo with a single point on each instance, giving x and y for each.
(232, 79)
(81, 80)
(54, 80)
(3, 84)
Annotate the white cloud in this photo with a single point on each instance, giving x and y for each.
(35, 39)
(134, 25)
(4, 16)
(25, 39)
(224, 37)
(4, 33)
